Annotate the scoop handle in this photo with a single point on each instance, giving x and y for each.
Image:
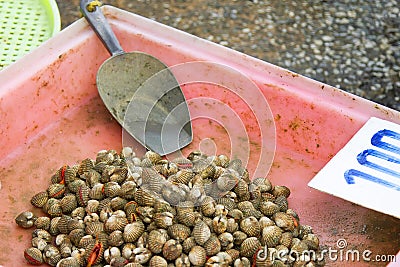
(93, 14)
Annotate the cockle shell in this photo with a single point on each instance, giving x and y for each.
(157, 261)
(118, 203)
(219, 224)
(226, 240)
(239, 237)
(51, 255)
(226, 181)
(76, 235)
(179, 232)
(85, 165)
(144, 197)
(286, 239)
(163, 219)
(312, 241)
(75, 184)
(249, 246)
(228, 203)
(281, 190)
(182, 261)
(133, 231)
(271, 235)
(68, 262)
(269, 208)
(97, 192)
(156, 240)
(207, 206)
(33, 256)
(201, 232)
(282, 202)
(285, 221)
(68, 203)
(250, 226)
(39, 243)
(94, 248)
(26, 219)
(197, 256)
(40, 199)
(112, 189)
(264, 184)
(110, 253)
(172, 249)
(94, 228)
(115, 222)
(128, 189)
(82, 195)
(188, 243)
(212, 245)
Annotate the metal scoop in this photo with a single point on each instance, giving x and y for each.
(140, 91)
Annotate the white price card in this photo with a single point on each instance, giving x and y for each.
(366, 170)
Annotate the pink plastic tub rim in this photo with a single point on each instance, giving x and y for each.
(51, 115)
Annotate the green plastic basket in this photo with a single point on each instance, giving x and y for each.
(24, 25)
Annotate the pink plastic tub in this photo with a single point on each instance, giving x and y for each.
(51, 114)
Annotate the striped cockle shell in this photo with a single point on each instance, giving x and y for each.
(128, 189)
(63, 224)
(85, 165)
(78, 213)
(265, 221)
(94, 247)
(212, 245)
(245, 205)
(312, 241)
(299, 247)
(76, 235)
(92, 177)
(226, 181)
(152, 156)
(183, 163)
(104, 156)
(75, 224)
(144, 197)
(75, 184)
(235, 214)
(68, 203)
(145, 213)
(68, 262)
(114, 223)
(197, 256)
(253, 212)
(242, 190)
(238, 237)
(56, 190)
(132, 231)
(116, 238)
(42, 222)
(220, 210)
(282, 202)
(112, 189)
(293, 213)
(188, 218)
(118, 203)
(228, 203)
(163, 219)
(43, 234)
(266, 196)
(97, 192)
(82, 195)
(119, 175)
(234, 253)
(264, 184)
(281, 190)
(286, 239)
(269, 208)
(94, 228)
(33, 256)
(184, 176)
(173, 194)
(201, 232)
(51, 255)
(271, 236)
(40, 199)
(107, 171)
(188, 243)
(157, 261)
(172, 249)
(156, 240)
(179, 232)
(26, 219)
(53, 229)
(249, 247)
(285, 221)
(207, 206)
(130, 210)
(305, 230)
(92, 206)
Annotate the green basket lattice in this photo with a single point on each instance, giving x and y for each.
(24, 25)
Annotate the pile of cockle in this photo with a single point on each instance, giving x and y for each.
(121, 210)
